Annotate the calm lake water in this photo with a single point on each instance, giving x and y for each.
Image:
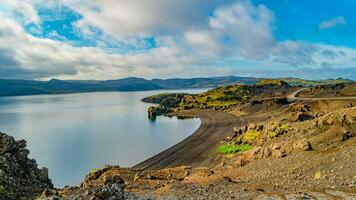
(71, 134)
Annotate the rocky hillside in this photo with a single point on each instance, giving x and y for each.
(20, 177)
(220, 98)
(331, 90)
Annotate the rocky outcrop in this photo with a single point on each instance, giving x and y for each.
(98, 185)
(168, 100)
(113, 182)
(301, 112)
(154, 111)
(20, 177)
(258, 134)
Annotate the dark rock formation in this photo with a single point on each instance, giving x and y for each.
(155, 111)
(347, 135)
(169, 100)
(20, 177)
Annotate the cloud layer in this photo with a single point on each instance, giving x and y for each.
(158, 38)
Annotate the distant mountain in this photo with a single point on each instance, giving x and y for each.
(55, 86)
(304, 82)
(203, 82)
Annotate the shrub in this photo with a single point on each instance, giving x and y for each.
(272, 134)
(231, 149)
(317, 175)
(278, 129)
(252, 135)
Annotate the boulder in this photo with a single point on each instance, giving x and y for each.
(347, 135)
(304, 117)
(303, 145)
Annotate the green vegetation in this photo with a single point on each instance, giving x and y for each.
(93, 171)
(252, 135)
(218, 97)
(231, 149)
(2, 189)
(272, 82)
(277, 130)
(317, 175)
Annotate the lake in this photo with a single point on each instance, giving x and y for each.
(71, 134)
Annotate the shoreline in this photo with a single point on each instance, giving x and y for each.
(197, 149)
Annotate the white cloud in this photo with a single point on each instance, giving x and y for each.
(240, 28)
(25, 56)
(145, 18)
(332, 23)
(22, 10)
(245, 28)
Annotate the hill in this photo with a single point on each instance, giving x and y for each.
(331, 90)
(55, 86)
(10, 87)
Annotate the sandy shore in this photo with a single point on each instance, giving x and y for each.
(198, 149)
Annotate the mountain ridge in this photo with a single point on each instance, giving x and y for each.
(17, 87)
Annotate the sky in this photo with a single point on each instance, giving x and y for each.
(111, 39)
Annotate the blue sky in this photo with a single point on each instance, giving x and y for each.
(108, 39)
(300, 19)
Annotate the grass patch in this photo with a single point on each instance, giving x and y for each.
(231, 149)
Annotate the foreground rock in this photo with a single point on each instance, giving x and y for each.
(20, 177)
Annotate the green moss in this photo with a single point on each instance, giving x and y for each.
(231, 149)
(219, 97)
(252, 135)
(93, 171)
(271, 82)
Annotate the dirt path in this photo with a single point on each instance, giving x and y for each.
(198, 149)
